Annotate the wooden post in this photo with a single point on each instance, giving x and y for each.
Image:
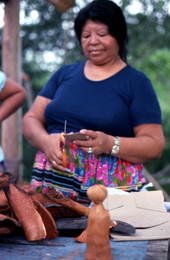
(11, 59)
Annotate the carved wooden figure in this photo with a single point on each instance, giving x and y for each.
(98, 242)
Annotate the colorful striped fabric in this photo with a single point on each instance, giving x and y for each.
(85, 170)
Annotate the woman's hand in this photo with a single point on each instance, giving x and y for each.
(98, 141)
(147, 144)
(38, 136)
(54, 152)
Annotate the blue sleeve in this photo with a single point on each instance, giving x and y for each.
(145, 106)
(53, 83)
(2, 80)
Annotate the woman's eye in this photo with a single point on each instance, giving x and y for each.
(102, 34)
(85, 35)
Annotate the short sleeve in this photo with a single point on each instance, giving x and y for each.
(2, 80)
(1, 154)
(145, 106)
(53, 83)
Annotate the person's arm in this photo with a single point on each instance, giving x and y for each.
(147, 144)
(35, 132)
(12, 97)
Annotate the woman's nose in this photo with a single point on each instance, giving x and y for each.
(93, 39)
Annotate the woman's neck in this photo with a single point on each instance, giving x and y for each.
(99, 72)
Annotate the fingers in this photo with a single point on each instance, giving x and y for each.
(58, 166)
(90, 133)
(55, 154)
(96, 144)
(89, 144)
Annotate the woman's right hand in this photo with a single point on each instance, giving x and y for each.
(37, 135)
(53, 151)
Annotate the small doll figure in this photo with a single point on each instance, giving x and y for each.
(97, 240)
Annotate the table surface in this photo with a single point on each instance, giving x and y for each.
(16, 247)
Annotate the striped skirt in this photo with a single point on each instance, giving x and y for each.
(85, 170)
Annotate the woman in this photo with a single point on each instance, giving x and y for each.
(12, 96)
(112, 104)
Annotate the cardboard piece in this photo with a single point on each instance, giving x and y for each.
(144, 210)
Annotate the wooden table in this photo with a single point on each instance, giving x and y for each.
(16, 247)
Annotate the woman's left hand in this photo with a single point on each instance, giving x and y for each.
(98, 142)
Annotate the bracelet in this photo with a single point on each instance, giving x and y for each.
(116, 146)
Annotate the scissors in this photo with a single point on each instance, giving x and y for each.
(63, 141)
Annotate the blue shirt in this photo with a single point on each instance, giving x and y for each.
(2, 83)
(114, 105)
(2, 80)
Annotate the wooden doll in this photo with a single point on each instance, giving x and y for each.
(98, 242)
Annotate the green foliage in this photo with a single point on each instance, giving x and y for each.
(37, 76)
(157, 67)
(44, 29)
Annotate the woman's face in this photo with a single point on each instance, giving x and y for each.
(98, 45)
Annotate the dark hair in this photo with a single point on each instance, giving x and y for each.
(108, 13)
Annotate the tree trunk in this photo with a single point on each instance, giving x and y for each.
(11, 60)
